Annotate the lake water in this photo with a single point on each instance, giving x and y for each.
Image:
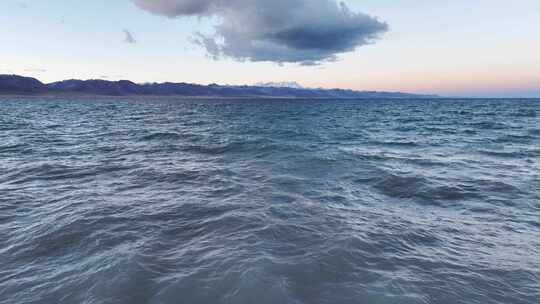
(164, 200)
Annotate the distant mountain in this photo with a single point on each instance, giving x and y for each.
(290, 84)
(13, 84)
(97, 87)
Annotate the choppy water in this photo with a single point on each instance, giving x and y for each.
(254, 201)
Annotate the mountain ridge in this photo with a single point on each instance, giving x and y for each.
(21, 85)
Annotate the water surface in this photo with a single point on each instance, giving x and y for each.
(269, 201)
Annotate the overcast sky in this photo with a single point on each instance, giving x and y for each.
(457, 48)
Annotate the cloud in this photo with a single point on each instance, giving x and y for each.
(298, 31)
(128, 38)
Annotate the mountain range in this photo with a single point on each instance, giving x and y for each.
(20, 85)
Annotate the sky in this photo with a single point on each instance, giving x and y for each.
(469, 48)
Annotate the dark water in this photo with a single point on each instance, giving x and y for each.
(171, 201)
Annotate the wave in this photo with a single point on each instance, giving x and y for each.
(524, 113)
(490, 186)
(162, 136)
(14, 148)
(47, 172)
(488, 125)
(511, 154)
(256, 147)
(214, 149)
(534, 131)
(511, 138)
(397, 143)
(418, 187)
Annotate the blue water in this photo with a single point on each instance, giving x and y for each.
(269, 201)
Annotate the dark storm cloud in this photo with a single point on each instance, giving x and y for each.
(128, 37)
(302, 31)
